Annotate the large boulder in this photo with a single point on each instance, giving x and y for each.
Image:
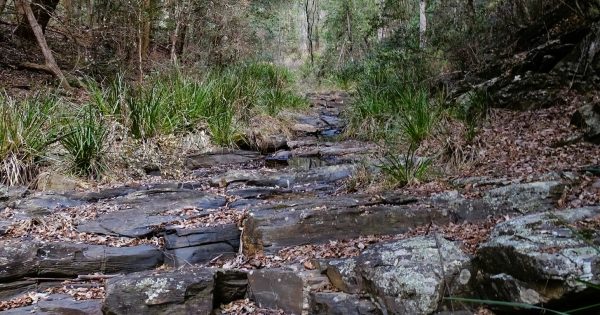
(541, 258)
(184, 291)
(588, 118)
(409, 276)
(323, 175)
(70, 260)
(271, 227)
(141, 213)
(526, 197)
(17, 259)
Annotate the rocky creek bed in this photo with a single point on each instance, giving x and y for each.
(278, 234)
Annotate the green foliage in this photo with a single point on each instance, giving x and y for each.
(391, 98)
(84, 139)
(406, 168)
(111, 100)
(26, 130)
(173, 103)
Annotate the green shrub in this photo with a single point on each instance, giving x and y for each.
(26, 130)
(404, 169)
(84, 139)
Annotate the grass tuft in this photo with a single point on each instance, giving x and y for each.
(406, 168)
(84, 140)
(26, 131)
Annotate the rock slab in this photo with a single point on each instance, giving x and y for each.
(187, 291)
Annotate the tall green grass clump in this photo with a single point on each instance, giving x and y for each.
(260, 86)
(26, 131)
(219, 101)
(392, 99)
(110, 100)
(85, 140)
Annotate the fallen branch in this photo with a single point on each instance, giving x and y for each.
(36, 67)
(94, 277)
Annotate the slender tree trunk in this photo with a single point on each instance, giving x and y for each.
(309, 30)
(316, 26)
(174, 37)
(146, 28)
(471, 15)
(140, 44)
(349, 31)
(422, 23)
(180, 45)
(91, 13)
(39, 35)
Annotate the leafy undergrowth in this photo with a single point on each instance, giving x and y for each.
(521, 144)
(515, 147)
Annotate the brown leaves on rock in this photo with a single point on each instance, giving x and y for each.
(20, 301)
(87, 290)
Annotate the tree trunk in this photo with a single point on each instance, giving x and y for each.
(349, 30)
(422, 23)
(180, 44)
(146, 28)
(42, 11)
(39, 36)
(91, 13)
(309, 29)
(471, 15)
(68, 5)
(316, 21)
(2, 6)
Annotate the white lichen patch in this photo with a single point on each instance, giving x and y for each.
(154, 288)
